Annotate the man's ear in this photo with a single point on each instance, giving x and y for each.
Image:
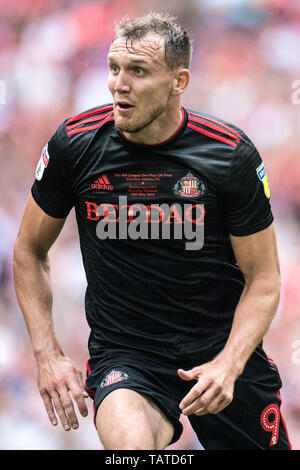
(181, 81)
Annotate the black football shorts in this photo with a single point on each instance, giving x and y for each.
(252, 420)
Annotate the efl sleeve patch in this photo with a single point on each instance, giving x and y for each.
(42, 163)
(262, 175)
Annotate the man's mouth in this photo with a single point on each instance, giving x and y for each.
(123, 105)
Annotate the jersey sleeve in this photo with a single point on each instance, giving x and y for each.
(247, 196)
(52, 188)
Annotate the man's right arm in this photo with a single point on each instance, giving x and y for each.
(57, 375)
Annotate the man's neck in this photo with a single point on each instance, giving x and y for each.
(159, 130)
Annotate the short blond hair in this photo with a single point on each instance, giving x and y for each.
(178, 45)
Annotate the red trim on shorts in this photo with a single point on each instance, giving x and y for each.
(88, 372)
(279, 396)
(282, 419)
(94, 413)
(88, 367)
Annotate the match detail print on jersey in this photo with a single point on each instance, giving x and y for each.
(143, 184)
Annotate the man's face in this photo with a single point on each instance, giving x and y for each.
(139, 82)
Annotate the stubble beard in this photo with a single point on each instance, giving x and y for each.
(140, 124)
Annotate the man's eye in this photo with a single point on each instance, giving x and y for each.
(114, 68)
(138, 71)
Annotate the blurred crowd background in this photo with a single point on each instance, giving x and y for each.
(245, 69)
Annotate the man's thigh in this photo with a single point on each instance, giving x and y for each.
(128, 420)
(134, 398)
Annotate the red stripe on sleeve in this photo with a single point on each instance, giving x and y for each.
(212, 126)
(91, 119)
(211, 134)
(89, 128)
(216, 122)
(89, 113)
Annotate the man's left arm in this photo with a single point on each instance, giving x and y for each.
(257, 258)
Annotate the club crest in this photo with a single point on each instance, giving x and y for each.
(189, 186)
(113, 377)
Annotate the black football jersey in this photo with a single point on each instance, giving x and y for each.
(154, 224)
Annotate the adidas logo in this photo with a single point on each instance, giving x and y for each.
(102, 183)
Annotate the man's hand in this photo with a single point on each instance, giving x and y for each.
(57, 376)
(213, 390)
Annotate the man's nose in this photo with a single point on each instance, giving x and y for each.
(122, 82)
